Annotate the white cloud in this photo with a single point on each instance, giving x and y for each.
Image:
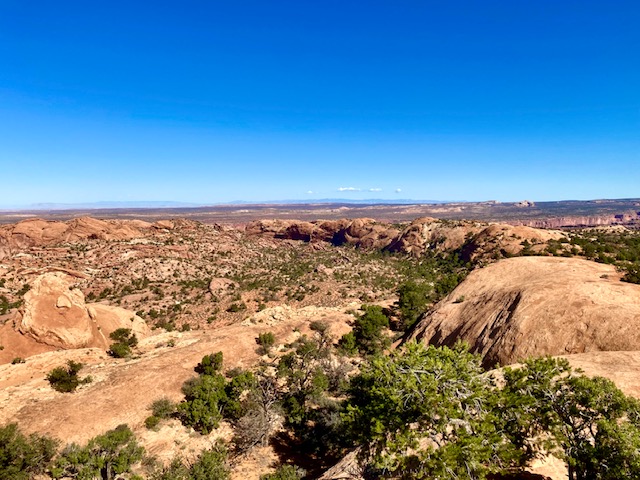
(375, 189)
(348, 189)
(309, 192)
(398, 190)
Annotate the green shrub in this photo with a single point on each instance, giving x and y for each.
(204, 397)
(266, 341)
(124, 340)
(368, 332)
(66, 380)
(285, 472)
(22, 457)
(237, 307)
(163, 408)
(211, 464)
(152, 422)
(119, 350)
(210, 364)
(420, 393)
(105, 456)
(632, 274)
(238, 390)
(348, 344)
(413, 299)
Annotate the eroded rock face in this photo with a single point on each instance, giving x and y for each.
(532, 306)
(55, 314)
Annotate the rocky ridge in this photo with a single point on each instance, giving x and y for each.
(474, 239)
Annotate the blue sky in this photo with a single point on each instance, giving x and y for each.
(211, 101)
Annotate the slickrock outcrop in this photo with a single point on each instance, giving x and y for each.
(532, 306)
(55, 314)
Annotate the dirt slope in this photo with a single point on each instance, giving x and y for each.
(122, 390)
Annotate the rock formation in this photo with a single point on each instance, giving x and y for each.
(474, 239)
(502, 240)
(361, 232)
(532, 306)
(431, 234)
(55, 314)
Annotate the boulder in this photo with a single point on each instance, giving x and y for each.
(55, 314)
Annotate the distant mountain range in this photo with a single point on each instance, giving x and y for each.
(105, 205)
(367, 201)
(172, 204)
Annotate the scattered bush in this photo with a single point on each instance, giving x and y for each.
(66, 380)
(237, 307)
(204, 397)
(124, 341)
(151, 422)
(632, 274)
(285, 472)
(105, 456)
(22, 457)
(211, 464)
(210, 364)
(368, 333)
(413, 299)
(163, 408)
(266, 341)
(119, 350)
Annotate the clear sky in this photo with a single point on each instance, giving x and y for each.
(211, 101)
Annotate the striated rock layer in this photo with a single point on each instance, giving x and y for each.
(531, 306)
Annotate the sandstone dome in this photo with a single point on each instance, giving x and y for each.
(532, 306)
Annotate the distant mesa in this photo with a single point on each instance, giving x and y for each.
(525, 204)
(532, 306)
